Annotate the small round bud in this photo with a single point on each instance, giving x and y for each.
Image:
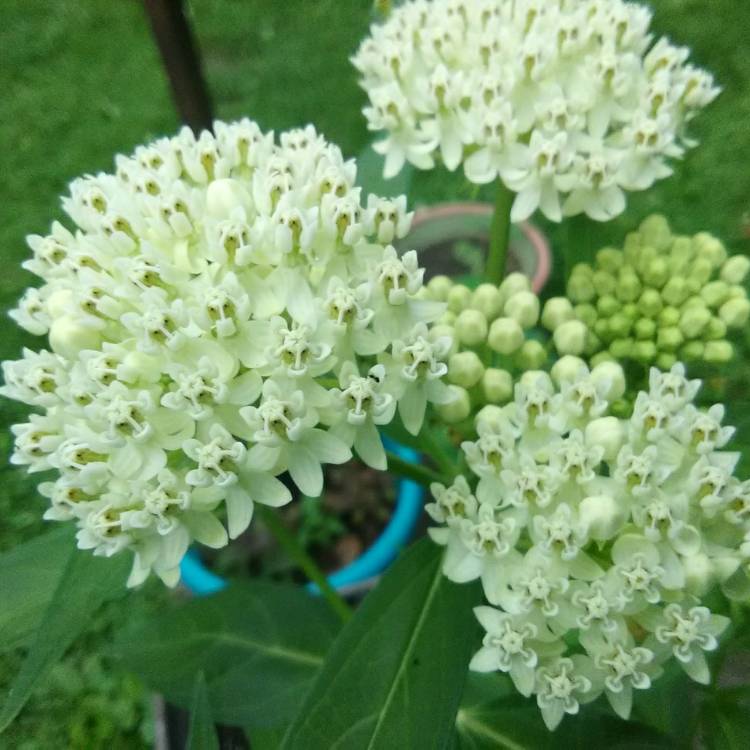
(602, 516)
(465, 369)
(440, 330)
(557, 310)
(630, 310)
(490, 416)
(600, 358)
(628, 285)
(609, 259)
(523, 307)
(610, 376)
(620, 325)
(448, 318)
(581, 288)
(669, 339)
(647, 254)
(607, 432)
(715, 293)
(632, 246)
(532, 355)
(512, 283)
(59, 302)
(458, 409)
(666, 360)
(586, 314)
(718, 352)
(505, 336)
(567, 369)
(67, 337)
(692, 286)
(716, 329)
(593, 343)
(488, 300)
(694, 320)
(497, 385)
(709, 247)
(439, 287)
(735, 312)
(737, 290)
(669, 316)
(570, 337)
(604, 282)
(692, 351)
(471, 327)
(602, 330)
(607, 305)
(699, 572)
(650, 303)
(655, 231)
(621, 348)
(701, 270)
(735, 269)
(224, 196)
(682, 251)
(656, 273)
(674, 292)
(459, 298)
(644, 329)
(644, 351)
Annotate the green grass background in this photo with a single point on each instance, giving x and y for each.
(81, 80)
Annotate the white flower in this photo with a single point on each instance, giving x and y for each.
(569, 104)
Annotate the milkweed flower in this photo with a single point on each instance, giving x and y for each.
(569, 104)
(596, 538)
(225, 309)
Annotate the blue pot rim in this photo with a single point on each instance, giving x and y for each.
(201, 581)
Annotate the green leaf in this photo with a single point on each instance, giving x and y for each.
(85, 584)
(395, 674)
(370, 176)
(29, 574)
(260, 646)
(202, 735)
(726, 725)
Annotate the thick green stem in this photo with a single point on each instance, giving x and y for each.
(499, 235)
(416, 472)
(292, 547)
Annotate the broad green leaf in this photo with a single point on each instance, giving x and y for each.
(29, 574)
(202, 735)
(370, 176)
(260, 646)
(84, 585)
(726, 724)
(394, 676)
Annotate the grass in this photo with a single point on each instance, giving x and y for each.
(81, 81)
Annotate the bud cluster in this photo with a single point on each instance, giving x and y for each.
(660, 299)
(596, 539)
(490, 327)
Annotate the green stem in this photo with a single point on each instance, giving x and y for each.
(416, 472)
(499, 235)
(292, 547)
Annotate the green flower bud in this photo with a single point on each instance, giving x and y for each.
(645, 257)
(644, 351)
(709, 247)
(602, 329)
(716, 329)
(607, 432)
(439, 286)
(655, 231)
(523, 307)
(600, 358)
(570, 337)
(505, 336)
(610, 260)
(665, 360)
(715, 293)
(459, 298)
(423, 293)
(669, 339)
(566, 369)
(632, 246)
(604, 282)
(682, 253)
(735, 312)
(586, 314)
(737, 290)
(488, 300)
(656, 273)
(497, 385)
(694, 300)
(644, 328)
(628, 285)
(532, 355)
(650, 303)
(621, 348)
(67, 337)
(581, 288)
(735, 269)
(465, 369)
(610, 374)
(630, 310)
(448, 318)
(692, 351)
(692, 286)
(693, 320)
(602, 515)
(456, 410)
(674, 292)
(699, 573)
(557, 310)
(593, 343)
(582, 268)
(669, 316)
(607, 306)
(718, 352)
(700, 270)
(490, 416)
(512, 283)
(620, 325)
(471, 327)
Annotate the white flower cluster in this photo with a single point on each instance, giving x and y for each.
(595, 537)
(226, 310)
(568, 102)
